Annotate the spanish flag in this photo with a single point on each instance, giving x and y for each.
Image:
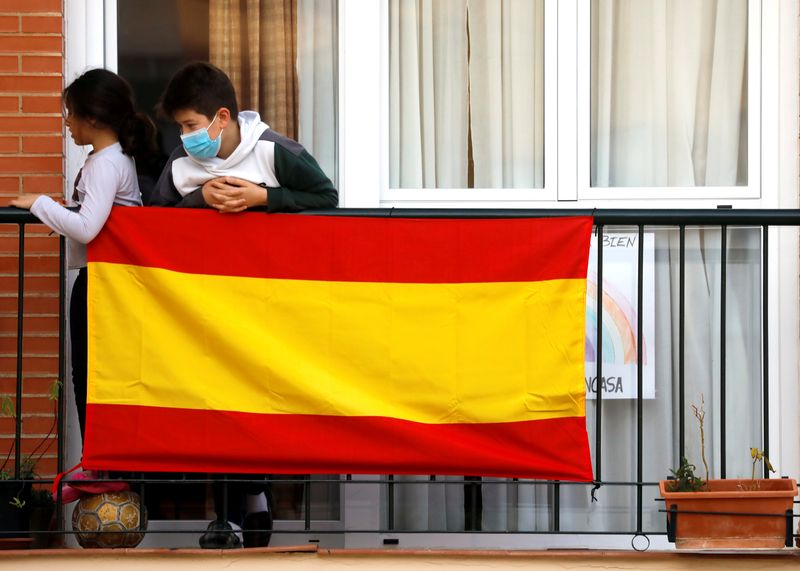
(280, 343)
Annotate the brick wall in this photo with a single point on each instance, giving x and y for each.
(31, 160)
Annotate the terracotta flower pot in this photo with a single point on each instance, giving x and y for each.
(726, 521)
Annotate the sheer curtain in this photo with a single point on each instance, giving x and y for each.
(506, 69)
(429, 97)
(466, 93)
(316, 71)
(669, 93)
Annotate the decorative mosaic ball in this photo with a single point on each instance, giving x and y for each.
(99, 519)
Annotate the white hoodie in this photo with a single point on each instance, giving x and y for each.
(293, 179)
(248, 161)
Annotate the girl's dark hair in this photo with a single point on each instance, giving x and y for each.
(106, 98)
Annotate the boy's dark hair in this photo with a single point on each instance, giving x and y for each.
(201, 87)
(105, 97)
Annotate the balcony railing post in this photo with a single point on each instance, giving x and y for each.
(639, 380)
(682, 343)
(765, 342)
(723, 292)
(598, 421)
(20, 332)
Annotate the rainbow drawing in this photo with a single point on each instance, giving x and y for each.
(619, 333)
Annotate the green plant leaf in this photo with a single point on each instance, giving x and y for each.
(55, 390)
(7, 407)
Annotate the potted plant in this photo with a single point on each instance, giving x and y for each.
(727, 513)
(17, 496)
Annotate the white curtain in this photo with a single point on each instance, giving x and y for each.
(429, 107)
(668, 108)
(506, 70)
(316, 73)
(669, 93)
(466, 78)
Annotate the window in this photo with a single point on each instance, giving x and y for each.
(280, 55)
(659, 106)
(669, 94)
(466, 94)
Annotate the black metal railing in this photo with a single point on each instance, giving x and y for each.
(640, 220)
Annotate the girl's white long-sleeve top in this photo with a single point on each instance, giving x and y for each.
(108, 177)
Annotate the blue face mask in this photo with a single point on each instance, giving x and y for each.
(200, 145)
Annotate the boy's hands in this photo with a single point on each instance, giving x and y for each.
(231, 194)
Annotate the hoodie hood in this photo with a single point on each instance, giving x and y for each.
(251, 128)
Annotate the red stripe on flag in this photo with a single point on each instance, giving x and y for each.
(340, 248)
(138, 438)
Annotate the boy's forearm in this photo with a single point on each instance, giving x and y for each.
(282, 199)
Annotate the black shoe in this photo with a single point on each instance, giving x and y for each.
(220, 535)
(257, 529)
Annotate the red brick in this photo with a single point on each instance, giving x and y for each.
(47, 467)
(33, 343)
(43, 184)
(9, 64)
(40, 385)
(37, 264)
(42, 64)
(30, 424)
(34, 244)
(9, 24)
(9, 145)
(30, 164)
(28, 125)
(30, 443)
(9, 104)
(41, 24)
(43, 365)
(38, 284)
(30, 83)
(9, 184)
(30, 305)
(52, 6)
(31, 44)
(37, 405)
(41, 104)
(42, 145)
(47, 242)
(32, 6)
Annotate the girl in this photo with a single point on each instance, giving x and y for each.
(100, 112)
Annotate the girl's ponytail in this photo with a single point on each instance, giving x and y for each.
(137, 136)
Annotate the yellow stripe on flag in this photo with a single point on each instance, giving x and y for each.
(429, 353)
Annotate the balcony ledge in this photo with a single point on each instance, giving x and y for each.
(299, 558)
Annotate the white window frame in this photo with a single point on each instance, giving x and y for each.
(722, 193)
(364, 137)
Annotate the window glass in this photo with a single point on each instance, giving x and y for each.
(280, 56)
(669, 93)
(466, 94)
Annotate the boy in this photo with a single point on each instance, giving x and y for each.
(232, 161)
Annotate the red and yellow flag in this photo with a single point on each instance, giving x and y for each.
(263, 343)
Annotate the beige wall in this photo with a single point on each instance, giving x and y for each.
(335, 560)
